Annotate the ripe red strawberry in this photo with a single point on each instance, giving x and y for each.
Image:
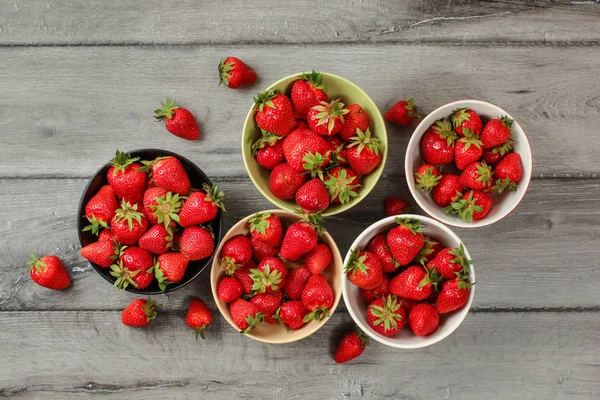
(382, 290)
(394, 206)
(101, 209)
(157, 239)
(178, 120)
(168, 172)
(261, 250)
(338, 150)
(295, 282)
(380, 248)
(245, 315)
(356, 118)
(496, 132)
(103, 252)
(106, 235)
(430, 249)
(274, 113)
(423, 319)
(236, 252)
(229, 289)
(313, 196)
(508, 172)
(269, 276)
(308, 91)
(139, 313)
(318, 259)
(268, 303)
(48, 272)
(128, 224)
(405, 240)
(477, 175)
(473, 206)
(466, 119)
(408, 304)
(301, 124)
(402, 113)
(447, 190)
(454, 294)
(437, 143)
(170, 269)
(301, 237)
(135, 267)
(291, 314)
(450, 261)
(234, 73)
(317, 298)
(124, 176)
(351, 345)
(202, 207)
(326, 118)
(306, 151)
(243, 275)
(467, 150)
(414, 283)
(150, 203)
(268, 150)
(267, 228)
(342, 184)
(427, 177)
(494, 155)
(386, 315)
(364, 269)
(285, 181)
(196, 243)
(199, 317)
(365, 152)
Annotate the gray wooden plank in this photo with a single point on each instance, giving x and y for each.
(64, 110)
(306, 21)
(542, 256)
(67, 355)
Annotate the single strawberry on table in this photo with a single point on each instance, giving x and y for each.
(139, 313)
(245, 315)
(414, 283)
(135, 267)
(285, 181)
(466, 119)
(267, 228)
(351, 345)
(128, 224)
(269, 276)
(472, 206)
(296, 282)
(196, 243)
(402, 113)
(382, 290)
(305, 151)
(229, 289)
(268, 303)
(307, 92)
(291, 314)
(178, 120)
(427, 177)
(199, 317)
(423, 319)
(157, 239)
(318, 259)
(170, 269)
(100, 210)
(355, 118)
(317, 298)
(477, 175)
(313, 196)
(125, 177)
(496, 132)
(103, 252)
(268, 150)
(394, 206)
(364, 152)
(48, 272)
(234, 73)
(508, 173)
(437, 144)
(467, 150)
(342, 184)
(236, 252)
(364, 269)
(386, 315)
(202, 206)
(448, 189)
(406, 240)
(301, 237)
(274, 113)
(454, 294)
(326, 118)
(380, 248)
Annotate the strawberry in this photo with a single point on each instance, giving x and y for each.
(496, 132)
(307, 92)
(274, 113)
(295, 282)
(306, 151)
(285, 181)
(229, 289)
(170, 269)
(178, 120)
(326, 118)
(202, 207)
(245, 315)
(437, 144)
(196, 243)
(355, 118)
(467, 150)
(199, 317)
(163, 209)
(408, 304)
(243, 275)
(427, 177)
(301, 237)
(317, 298)
(313, 196)
(431, 248)
(405, 240)
(268, 150)
(454, 294)
(48, 272)
(382, 290)
(338, 150)
(106, 235)
(450, 261)
(342, 184)
(268, 303)
(477, 175)
(464, 119)
(394, 206)
(100, 209)
(267, 228)
(318, 259)
(301, 124)
(269, 276)
(402, 113)
(135, 267)
(150, 203)
(150, 182)
(291, 314)
(261, 250)
(380, 248)
(386, 315)
(103, 252)
(124, 176)
(351, 345)
(168, 172)
(494, 155)
(236, 252)
(473, 206)
(234, 73)
(128, 224)
(508, 172)
(364, 269)
(157, 239)
(139, 313)
(423, 319)
(447, 190)
(365, 152)
(414, 283)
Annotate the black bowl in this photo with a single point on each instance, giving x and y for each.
(197, 179)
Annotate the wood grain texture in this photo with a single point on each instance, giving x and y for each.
(73, 22)
(65, 110)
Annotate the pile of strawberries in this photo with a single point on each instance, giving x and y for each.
(259, 286)
(477, 158)
(405, 276)
(150, 223)
(316, 148)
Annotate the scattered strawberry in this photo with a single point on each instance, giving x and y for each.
(467, 150)
(268, 303)
(365, 152)
(229, 289)
(296, 282)
(355, 118)
(274, 113)
(437, 144)
(447, 190)
(351, 345)
(473, 206)
(406, 240)
(382, 290)
(100, 210)
(202, 207)
(291, 314)
(268, 150)
(236, 252)
(301, 237)
(306, 151)
(313, 196)
(386, 315)
(318, 259)
(464, 119)
(342, 184)
(48, 272)
(326, 118)
(124, 176)
(394, 206)
(285, 181)
(508, 173)
(496, 132)
(364, 269)
(267, 228)
(317, 298)
(170, 269)
(157, 239)
(245, 315)
(261, 250)
(199, 317)
(234, 73)
(431, 248)
(423, 319)
(135, 267)
(495, 154)
(139, 313)
(128, 224)
(196, 243)
(450, 261)
(427, 177)
(307, 92)
(454, 294)
(380, 248)
(477, 175)
(402, 113)
(269, 276)
(103, 252)
(178, 120)
(243, 275)
(414, 283)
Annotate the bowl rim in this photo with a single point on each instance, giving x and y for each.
(375, 173)
(131, 289)
(367, 233)
(214, 282)
(456, 222)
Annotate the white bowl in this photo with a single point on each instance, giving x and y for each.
(357, 306)
(504, 203)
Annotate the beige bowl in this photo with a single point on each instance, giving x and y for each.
(265, 332)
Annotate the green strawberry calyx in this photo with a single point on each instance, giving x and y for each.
(411, 109)
(504, 148)
(464, 208)
(444, 129)
(505, 184)
(485, 174)
(365, 340)
(313, 163)
(341, 187)
(267, 139)
(470, 139)
(365, 140)
(35, 263)
(121, 161)
(225, 66)
(149, 165)
(432, 277)
(315, 79)
(459, 116)
(199, 331)
(507, 122)
(313, 219)
(163, 282)
(150, 309)
(412, 224)
(215, 195)
(317, 314)
(124, 275)
(277, 316)
(356, 263)
(461, 259)
(167, 208)
(265, 98)
(426, 250)
(95, 225)
(427, 180)
(258, 223)
(265, 280)
(128, 213)
(167, 110)
(388, 314)
(329, 112)
(252, 321)
(229, 265)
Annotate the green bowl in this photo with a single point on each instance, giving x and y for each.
(336, 87)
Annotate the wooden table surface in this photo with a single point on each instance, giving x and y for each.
(80, 79)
